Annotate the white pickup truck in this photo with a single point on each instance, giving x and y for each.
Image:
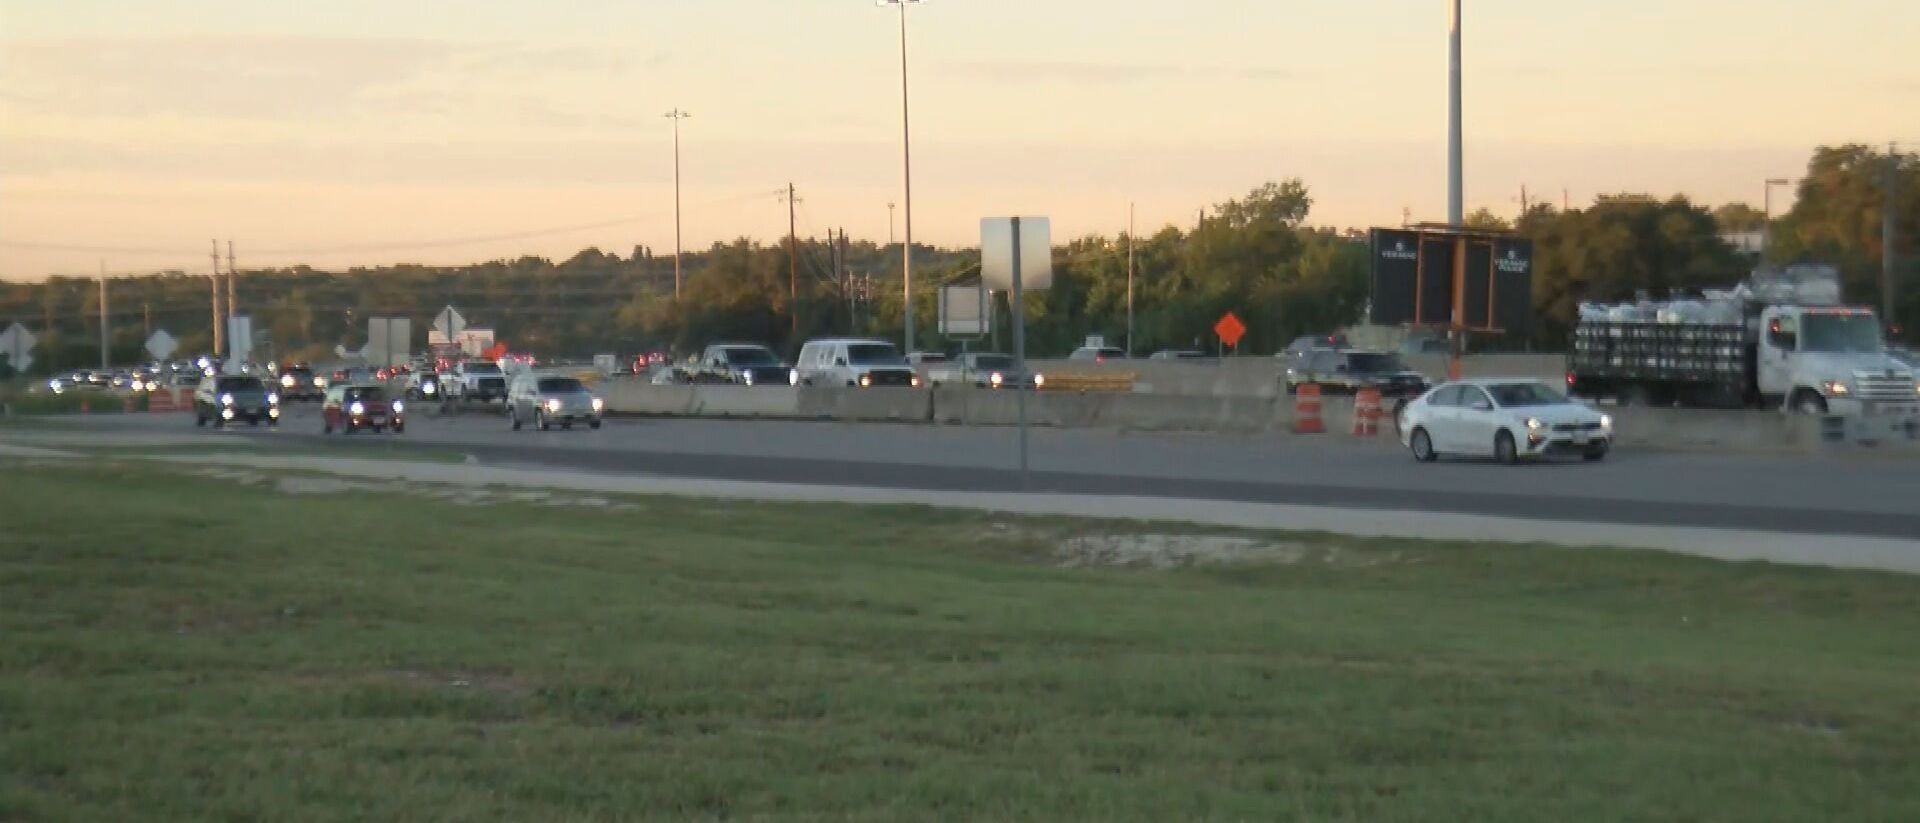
(476, 380)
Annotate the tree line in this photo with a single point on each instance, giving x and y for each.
(1254, 255)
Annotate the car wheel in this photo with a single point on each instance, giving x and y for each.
(1422, 446)
(1807, 402)
(513, 418)
(540, 421)
(1504, 448)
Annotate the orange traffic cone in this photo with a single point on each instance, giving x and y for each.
(1306, 411)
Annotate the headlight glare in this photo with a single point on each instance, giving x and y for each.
(226, 400)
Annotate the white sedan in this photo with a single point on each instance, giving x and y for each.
(1508, 420)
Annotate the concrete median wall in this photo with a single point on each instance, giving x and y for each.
(900, 405)
(1263, 376)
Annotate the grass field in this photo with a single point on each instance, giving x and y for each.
(200, 648)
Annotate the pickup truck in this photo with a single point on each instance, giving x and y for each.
(983, 370)
(747, 364)
(476, 380)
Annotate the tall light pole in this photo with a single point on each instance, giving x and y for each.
(890, 225)
(1129, 280)
(1766, 225)
(1456, 200)
(906, 157)
(676, 116)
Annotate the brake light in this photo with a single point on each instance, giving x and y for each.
(1569, 378)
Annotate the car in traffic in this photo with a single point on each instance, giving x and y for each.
(548, 399)
(1346, 371)
(1097, 354)
(298, 382)
(424, 384)
(853, 362)
(746, 364)
(350, 407)
(985, 370)
(231, 398)
(1508, 420)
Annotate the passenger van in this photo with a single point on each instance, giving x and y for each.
(853, 362)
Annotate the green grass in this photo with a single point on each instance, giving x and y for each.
(193, 649)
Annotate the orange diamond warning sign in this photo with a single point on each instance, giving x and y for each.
(1230, 330)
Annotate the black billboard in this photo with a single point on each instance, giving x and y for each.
(1413, 279)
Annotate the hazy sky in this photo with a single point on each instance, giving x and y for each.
(372, 131)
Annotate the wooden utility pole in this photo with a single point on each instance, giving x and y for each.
(233, 300)
(793, 266)
(218, 317)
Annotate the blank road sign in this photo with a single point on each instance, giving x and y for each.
(1036, 252)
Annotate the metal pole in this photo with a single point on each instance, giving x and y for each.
(676, 116)
(1456, 200)
(793, 270)
(233, 299)
(1129, 280)
(1020, 356)
(218, 334)
(906, 157)
(103, 316)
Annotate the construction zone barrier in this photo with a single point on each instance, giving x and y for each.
(1366, 413)
(163, 401)
(1306, 410)
(1104, 382)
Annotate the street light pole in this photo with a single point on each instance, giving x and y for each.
(1766, 225)
(1456, 200)
(1129, 280)
(906, 158)
(676, 116)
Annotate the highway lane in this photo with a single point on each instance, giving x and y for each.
(1797, 494)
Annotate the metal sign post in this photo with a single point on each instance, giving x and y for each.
(1009, 247)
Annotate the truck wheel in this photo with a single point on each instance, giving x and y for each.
(1807, 402)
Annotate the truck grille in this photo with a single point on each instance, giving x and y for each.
(1882, 387)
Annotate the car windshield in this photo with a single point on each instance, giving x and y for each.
(239, 384)
(1375, 363)
(874, 354)
(1512, 395)
(992, 361)
(482, 368)
(366, 393)
(1840, 333)
(750, 356)
(557, 385)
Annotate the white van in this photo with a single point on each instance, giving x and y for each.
(853, 362)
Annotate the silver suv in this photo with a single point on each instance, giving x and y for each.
(546, 399)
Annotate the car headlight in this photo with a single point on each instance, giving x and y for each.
(1534, 424)
(399, 407)
(319, 382)
(357, 408)
(747, 377)
(286, 381)
(1836, 388)
(553, 405)
(866, 380)
(226, 400)
(1039, 380)
(1606, 422)
(793, 377)
(428, 388)
(598, 404)
(915, 381)
(996, 379)
(273, 399)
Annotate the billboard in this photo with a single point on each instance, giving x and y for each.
(1414, 277)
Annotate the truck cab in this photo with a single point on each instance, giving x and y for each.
(1830, 360)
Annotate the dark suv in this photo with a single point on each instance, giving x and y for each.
(1348, 371)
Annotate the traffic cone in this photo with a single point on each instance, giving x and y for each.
(1306, 411)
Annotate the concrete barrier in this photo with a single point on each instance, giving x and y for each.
(745, 401)
(865, 405)
(635, 397)
(1263, 376)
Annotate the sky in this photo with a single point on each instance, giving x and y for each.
(356, 132)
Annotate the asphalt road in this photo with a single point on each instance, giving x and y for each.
(1795, 494)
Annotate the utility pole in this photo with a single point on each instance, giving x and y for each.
(1129, 280)
(146, 326)
(105, 352)
(233, 274)
(218, 335)
(1523, 200)
(676, 116)
(1887, 233)
(793, 265)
